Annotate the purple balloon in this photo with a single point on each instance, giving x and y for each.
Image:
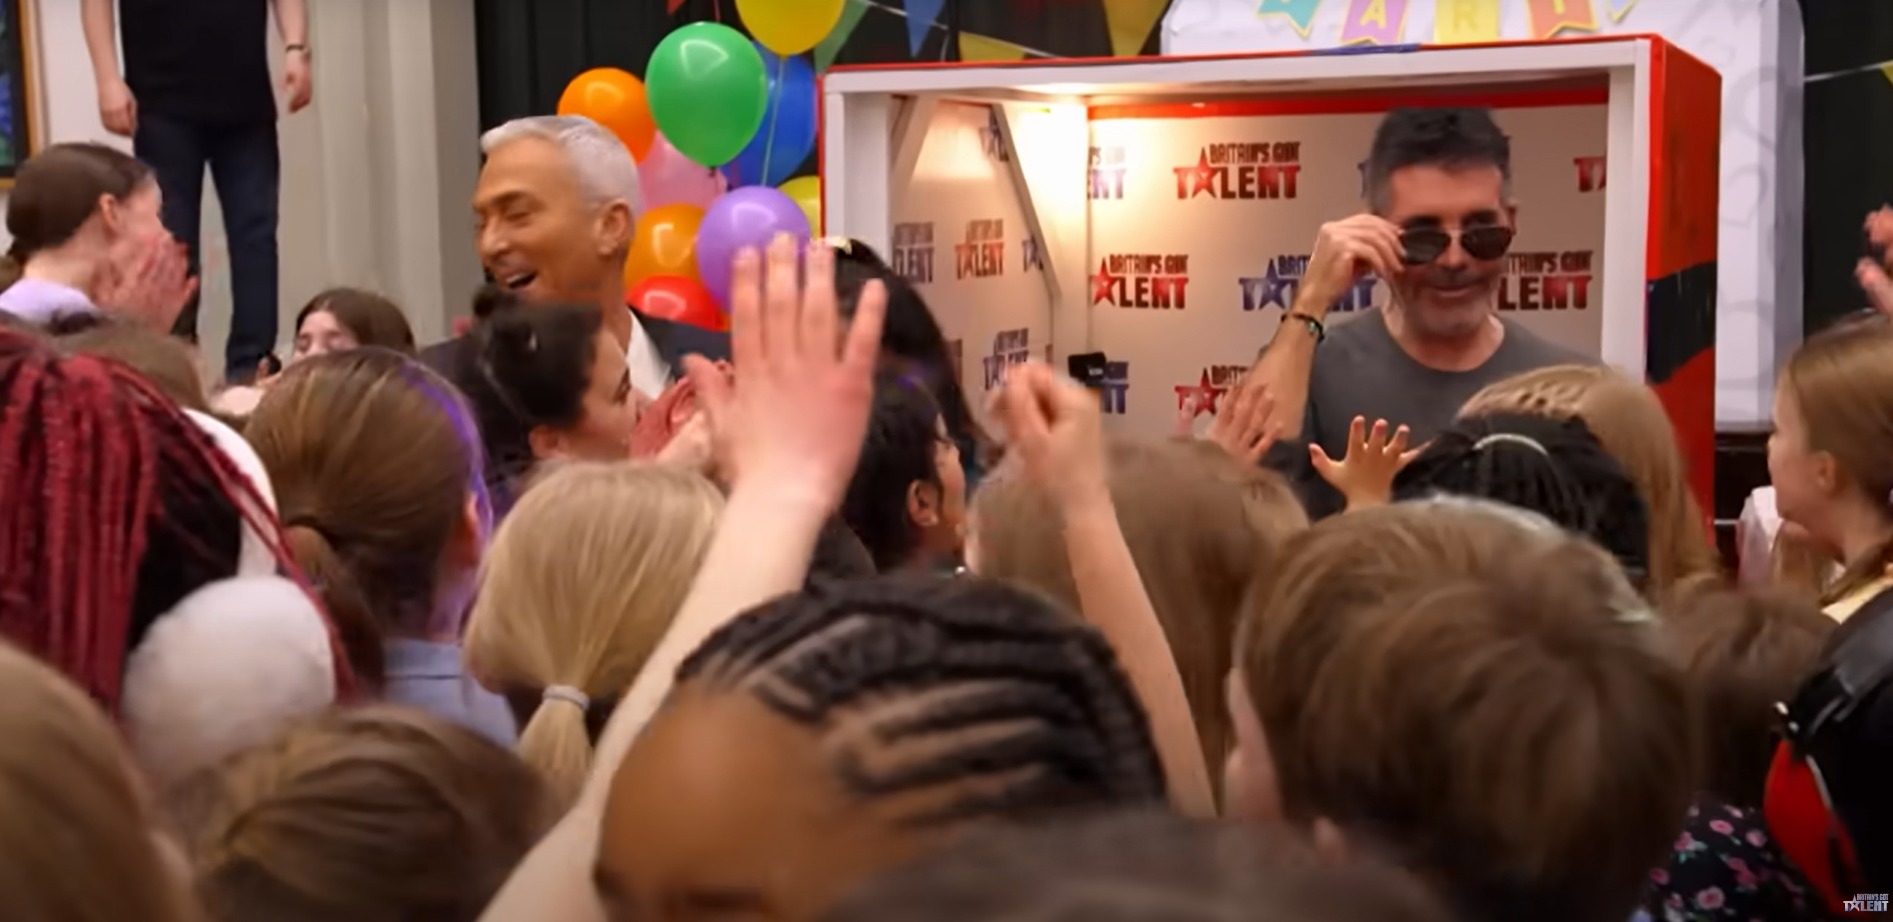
(748, 217)
(667, 177)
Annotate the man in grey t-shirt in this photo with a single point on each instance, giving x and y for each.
(1439, 224)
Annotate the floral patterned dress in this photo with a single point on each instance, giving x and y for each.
(1725, 867)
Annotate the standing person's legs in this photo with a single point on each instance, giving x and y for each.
(247, 168)
(176, 152)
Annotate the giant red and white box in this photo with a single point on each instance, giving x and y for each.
(1159, 210)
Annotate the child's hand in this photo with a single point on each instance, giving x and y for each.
(1056, 426)
(1243, 427)
(1364, 476)
(792, 418)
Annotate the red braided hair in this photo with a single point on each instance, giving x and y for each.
(91, 455)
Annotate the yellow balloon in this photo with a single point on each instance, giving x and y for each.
(790, 26)
(806, 191)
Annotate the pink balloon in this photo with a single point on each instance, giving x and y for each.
(670, 178)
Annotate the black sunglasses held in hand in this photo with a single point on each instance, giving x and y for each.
(1422, 245)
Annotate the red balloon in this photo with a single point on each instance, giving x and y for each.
(685, 300)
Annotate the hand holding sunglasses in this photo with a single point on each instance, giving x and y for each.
(1343, 250)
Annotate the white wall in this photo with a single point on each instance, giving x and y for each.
(1755, 45)
(376, 173)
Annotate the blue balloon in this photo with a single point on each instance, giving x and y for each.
(787, 135)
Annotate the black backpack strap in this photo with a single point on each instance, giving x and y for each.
(1859, 663)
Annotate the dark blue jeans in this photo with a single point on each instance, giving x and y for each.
(247, 169)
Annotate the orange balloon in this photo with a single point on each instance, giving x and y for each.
(614, 99)
(666, 244)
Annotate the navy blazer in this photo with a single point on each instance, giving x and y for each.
(673, 340)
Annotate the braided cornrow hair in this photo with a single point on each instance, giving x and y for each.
(963, 682)
(113, 507)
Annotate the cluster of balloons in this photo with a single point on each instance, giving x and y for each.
(718, 127)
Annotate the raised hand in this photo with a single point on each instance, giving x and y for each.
(1872, 271)
(1187, 410)
(1343, 250)
(1056, 427)
(792, 418)
(1364, 476)
(1245, 427)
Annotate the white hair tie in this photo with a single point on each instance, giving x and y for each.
(1512, 438)
(569, 695)
(1639, 615)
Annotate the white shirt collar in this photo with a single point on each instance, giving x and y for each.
(650, 374)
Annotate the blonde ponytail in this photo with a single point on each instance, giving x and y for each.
(580, 582)
(557, 742)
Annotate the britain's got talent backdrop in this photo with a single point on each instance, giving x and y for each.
(1202, 218)
(960, 235)
(1197, 221)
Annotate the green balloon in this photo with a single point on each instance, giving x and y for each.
(708, 91)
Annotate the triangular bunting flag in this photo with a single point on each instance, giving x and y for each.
(670, 6)
(920, 18)
(980, 48)
(1130, 22)
(851, 14)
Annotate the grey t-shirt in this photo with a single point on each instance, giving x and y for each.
(1359, 370)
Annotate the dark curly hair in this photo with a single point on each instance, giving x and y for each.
(1554, 467)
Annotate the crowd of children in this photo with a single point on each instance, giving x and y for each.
(795, 638)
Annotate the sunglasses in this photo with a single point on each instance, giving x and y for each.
(1422, 245)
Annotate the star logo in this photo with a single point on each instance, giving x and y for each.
(1276, 288)
(1203, 396)
(1104, 284)
(1203, 178)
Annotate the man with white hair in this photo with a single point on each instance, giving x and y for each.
(555, 211)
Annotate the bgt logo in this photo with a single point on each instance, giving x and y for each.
(913, 251)
(1210, 386)
(1249, 170)
(983, 253)
(1010, 347)
(1031, 253)
(1142, 280)
(1546, 281)
(1107, 173)
(1865, 902)
(1280, 281)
